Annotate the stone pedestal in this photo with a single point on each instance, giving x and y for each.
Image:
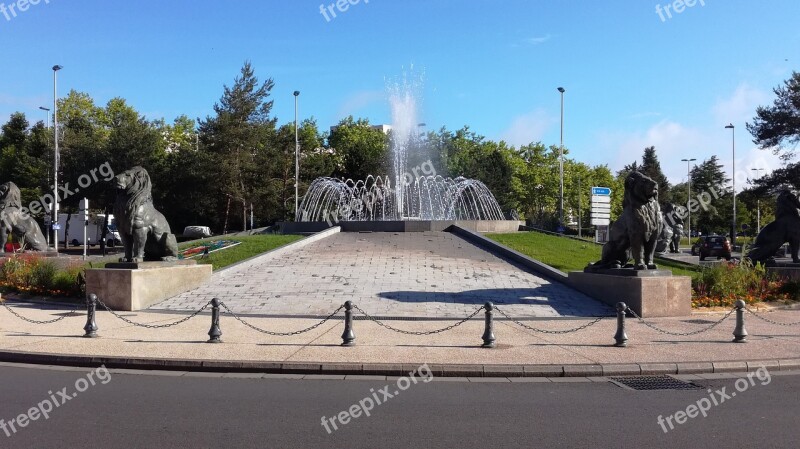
(784, 270)
(649, 293)
(129, 287)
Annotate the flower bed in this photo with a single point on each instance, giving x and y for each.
(722, 285)
(31, 273)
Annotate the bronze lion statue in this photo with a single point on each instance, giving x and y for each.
(785, 228)
(144, 231)
(18, 221)
(636, 231)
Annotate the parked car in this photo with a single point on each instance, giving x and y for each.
(712, 246)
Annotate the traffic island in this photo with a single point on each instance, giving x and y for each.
(136, 286)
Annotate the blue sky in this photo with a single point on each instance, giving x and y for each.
(632, 79)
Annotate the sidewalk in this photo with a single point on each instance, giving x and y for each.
(457, 352)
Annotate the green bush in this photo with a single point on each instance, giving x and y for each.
(32, 274)
(722, 285)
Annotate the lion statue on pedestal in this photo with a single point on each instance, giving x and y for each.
(636, 231)
(13, 219)
(144, 231)
(785, 228)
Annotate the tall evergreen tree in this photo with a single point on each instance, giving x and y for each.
(652, 168)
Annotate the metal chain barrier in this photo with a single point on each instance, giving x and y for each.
(437, 331)
(153, 326)
(41, 322)
(769, 320)
(680, 334)
(281, 334)
(545, 331)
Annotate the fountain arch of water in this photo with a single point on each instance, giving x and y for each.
(374, 199)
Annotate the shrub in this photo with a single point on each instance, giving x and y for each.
(722, 285)
(34, 274)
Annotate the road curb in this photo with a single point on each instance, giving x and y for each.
(397, 369)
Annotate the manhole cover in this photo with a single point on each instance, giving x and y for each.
(641, 383)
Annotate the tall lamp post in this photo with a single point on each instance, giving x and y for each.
(46, 114)
(689, 198)
(296, 158)
(758, 203)
(733, 177)
(561, 168)
(54, 222)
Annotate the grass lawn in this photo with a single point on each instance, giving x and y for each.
(252, 245)
(567, 254)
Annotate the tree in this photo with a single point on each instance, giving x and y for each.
(365, 150)
(652, 168)
(241, 128)
(778, 126)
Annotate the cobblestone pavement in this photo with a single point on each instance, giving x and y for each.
(431, 274)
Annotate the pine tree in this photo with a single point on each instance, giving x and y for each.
(652, 168)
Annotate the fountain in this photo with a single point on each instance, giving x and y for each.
(401, 197)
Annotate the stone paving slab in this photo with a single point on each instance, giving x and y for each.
(426, 274)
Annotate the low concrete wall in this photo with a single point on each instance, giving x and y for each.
(289, 227)
(277, 252)
(508, 253)
(647, 296)
(137, 289)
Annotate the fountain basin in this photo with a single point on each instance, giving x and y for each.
(310, 227)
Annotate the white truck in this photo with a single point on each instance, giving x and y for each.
(94, 230)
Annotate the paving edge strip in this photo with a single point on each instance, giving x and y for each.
(398, 369)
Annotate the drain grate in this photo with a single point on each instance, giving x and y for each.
(643, 383)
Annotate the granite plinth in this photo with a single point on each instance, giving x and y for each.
(146, 265)
(136, 288)
(648, 296)
(628, 272)
(784, 270)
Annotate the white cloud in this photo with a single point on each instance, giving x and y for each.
(528, 128)
(538, 40)
(740, 107)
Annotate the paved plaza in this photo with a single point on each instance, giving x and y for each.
(431, 274)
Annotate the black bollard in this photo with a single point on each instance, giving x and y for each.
(348, 336)
(740, 333)
(91, 324)
(620, 337)
(215, 332)
(488, 332)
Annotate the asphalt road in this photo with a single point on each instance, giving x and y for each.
(149, 411)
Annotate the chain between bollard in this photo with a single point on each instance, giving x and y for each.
(437, 331)
(757, 315)
(280, 334)
(545, 331)
(67, 315)
(153, 326)
(680, 334)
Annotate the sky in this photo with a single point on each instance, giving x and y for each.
(634, 77)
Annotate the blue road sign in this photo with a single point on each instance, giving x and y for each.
(603, 191)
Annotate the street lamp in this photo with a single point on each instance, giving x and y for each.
(689, 198)
(561, 167)
(758, 203)
(54, 222)
(46, 115)
(296, 157)
(733, 177)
